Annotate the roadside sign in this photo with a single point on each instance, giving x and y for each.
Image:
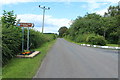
(25, 25)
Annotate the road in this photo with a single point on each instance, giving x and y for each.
(69, 60)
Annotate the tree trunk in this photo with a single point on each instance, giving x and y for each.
(104, 34)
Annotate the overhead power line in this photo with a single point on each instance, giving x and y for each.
(44, 8)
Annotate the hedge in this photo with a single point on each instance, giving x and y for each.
(12, 38)
(96, 40)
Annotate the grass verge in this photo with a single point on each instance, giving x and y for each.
(73, 41)
(26, 67)
(113, 45)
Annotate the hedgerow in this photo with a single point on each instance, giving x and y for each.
(11, 42)
(96, 40)
(12, 38)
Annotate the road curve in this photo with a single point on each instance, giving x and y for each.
(69, 60)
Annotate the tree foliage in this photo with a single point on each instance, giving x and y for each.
(107, 26)
(8, 19)
(96, 40)
(62, 31)
(11, 36)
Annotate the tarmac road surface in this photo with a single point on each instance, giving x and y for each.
(69, 60)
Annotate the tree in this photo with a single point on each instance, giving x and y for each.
(62, 31)
(8, 19)
(113, 11)
(106, 26)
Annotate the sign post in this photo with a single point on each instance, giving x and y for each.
(22, 39)
(28, 39)
(25, 25)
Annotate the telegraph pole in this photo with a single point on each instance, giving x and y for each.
(119, 46)
(44, 8)
(119, 3)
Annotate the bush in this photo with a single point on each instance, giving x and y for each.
(114, 37)
(49, 36)
(81, 37)
(12, 40)
(100, 40)
(96, 40)
(69, 37)
(36, 39)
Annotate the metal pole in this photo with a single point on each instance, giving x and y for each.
(22, 39)
(43, 20)
(28, 39)
(119, 3)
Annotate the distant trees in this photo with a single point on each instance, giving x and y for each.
(62, 31)
(107, 26)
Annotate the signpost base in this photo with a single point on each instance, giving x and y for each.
(29, 56)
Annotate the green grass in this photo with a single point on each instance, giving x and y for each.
(26, 67)
(113, 45)
(73, 41)
(0, 73)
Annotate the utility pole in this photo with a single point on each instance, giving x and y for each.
(119, 3)
(44, 8)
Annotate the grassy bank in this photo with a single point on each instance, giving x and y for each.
(73, 41)
(113, 45)
(26, 67)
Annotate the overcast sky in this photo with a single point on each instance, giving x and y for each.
(61, 12)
